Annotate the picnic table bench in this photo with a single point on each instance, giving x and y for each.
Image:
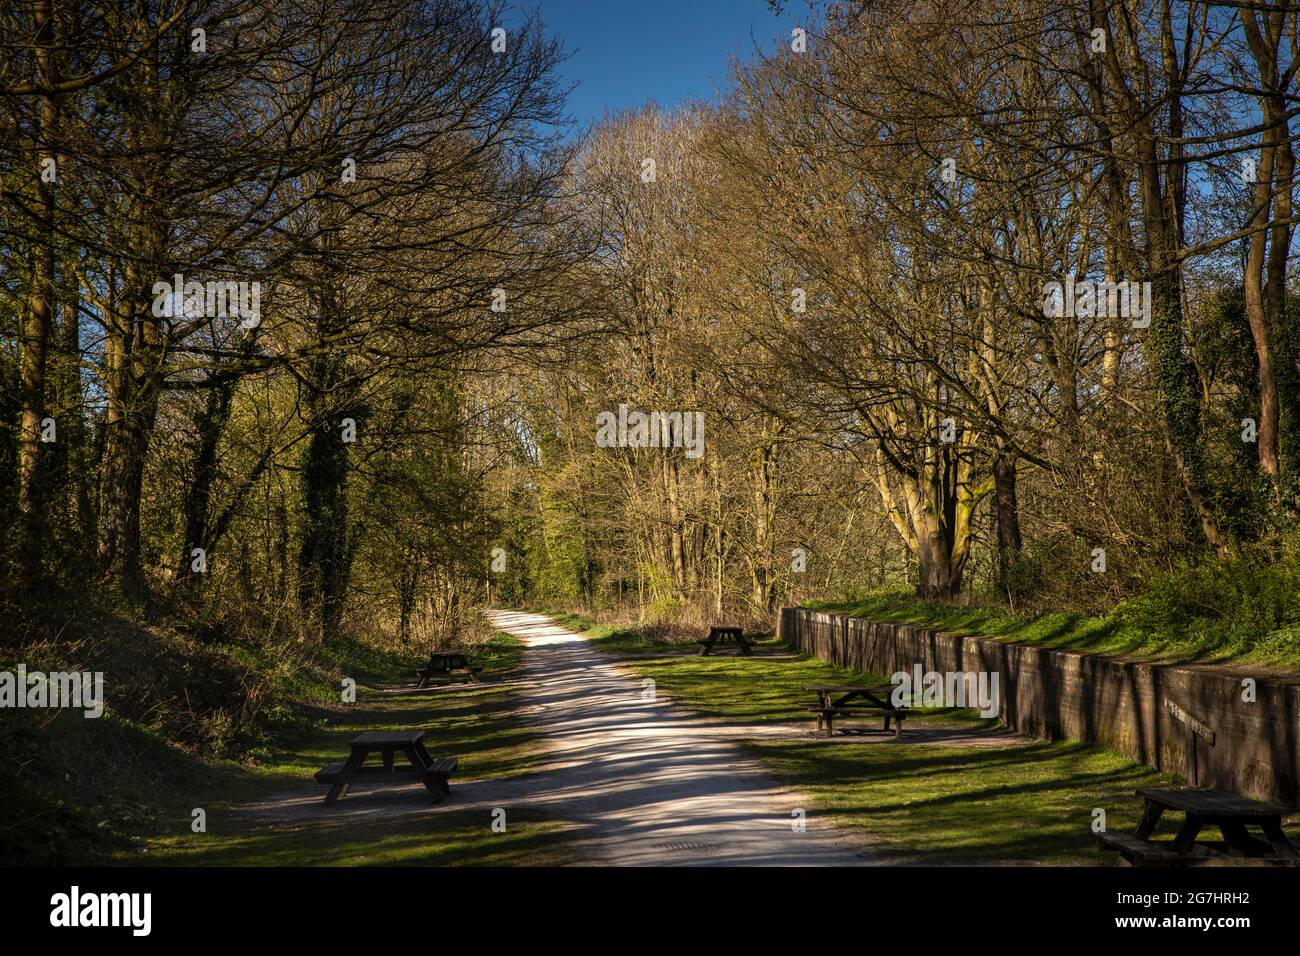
(725, 636)
(445, 664)
(853, 701)
(1231, 813)
(410, 743)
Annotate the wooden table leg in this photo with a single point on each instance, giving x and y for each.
(423, 752)
(1272, 827)
(388, 759)
(1150, 817)
(1240, 843)
(341, 785)
(1186, 836)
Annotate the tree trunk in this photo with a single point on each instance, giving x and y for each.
(324, 555)
(937, 577)
(764, 593)
(132, 358)
(209, 424)
(1174, 376)
(122, 481)
(1008, 514)
(38, 320)
(1256, 313)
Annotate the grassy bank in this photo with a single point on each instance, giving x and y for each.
(196, 722)
(184, 708)
(1234, 612)
(478, 724)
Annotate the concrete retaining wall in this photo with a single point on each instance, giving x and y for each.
(1143, 711)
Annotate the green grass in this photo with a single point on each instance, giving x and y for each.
(1064, 630)
(1240, 609)
(1028, 801)
(449, 837)
(935, 804)
(768, 687)
(477, 724)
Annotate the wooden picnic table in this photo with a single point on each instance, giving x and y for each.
(445, 664)
(1231, 813)
(855, 701)
(388, 743)
(725, 636)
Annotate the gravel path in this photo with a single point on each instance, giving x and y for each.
(651, 784)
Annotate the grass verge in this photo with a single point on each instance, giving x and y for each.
(1177, 625)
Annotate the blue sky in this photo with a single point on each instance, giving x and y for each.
(626, 52)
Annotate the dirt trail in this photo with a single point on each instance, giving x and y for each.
(650, 783)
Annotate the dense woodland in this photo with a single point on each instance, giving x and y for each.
(841, 264)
